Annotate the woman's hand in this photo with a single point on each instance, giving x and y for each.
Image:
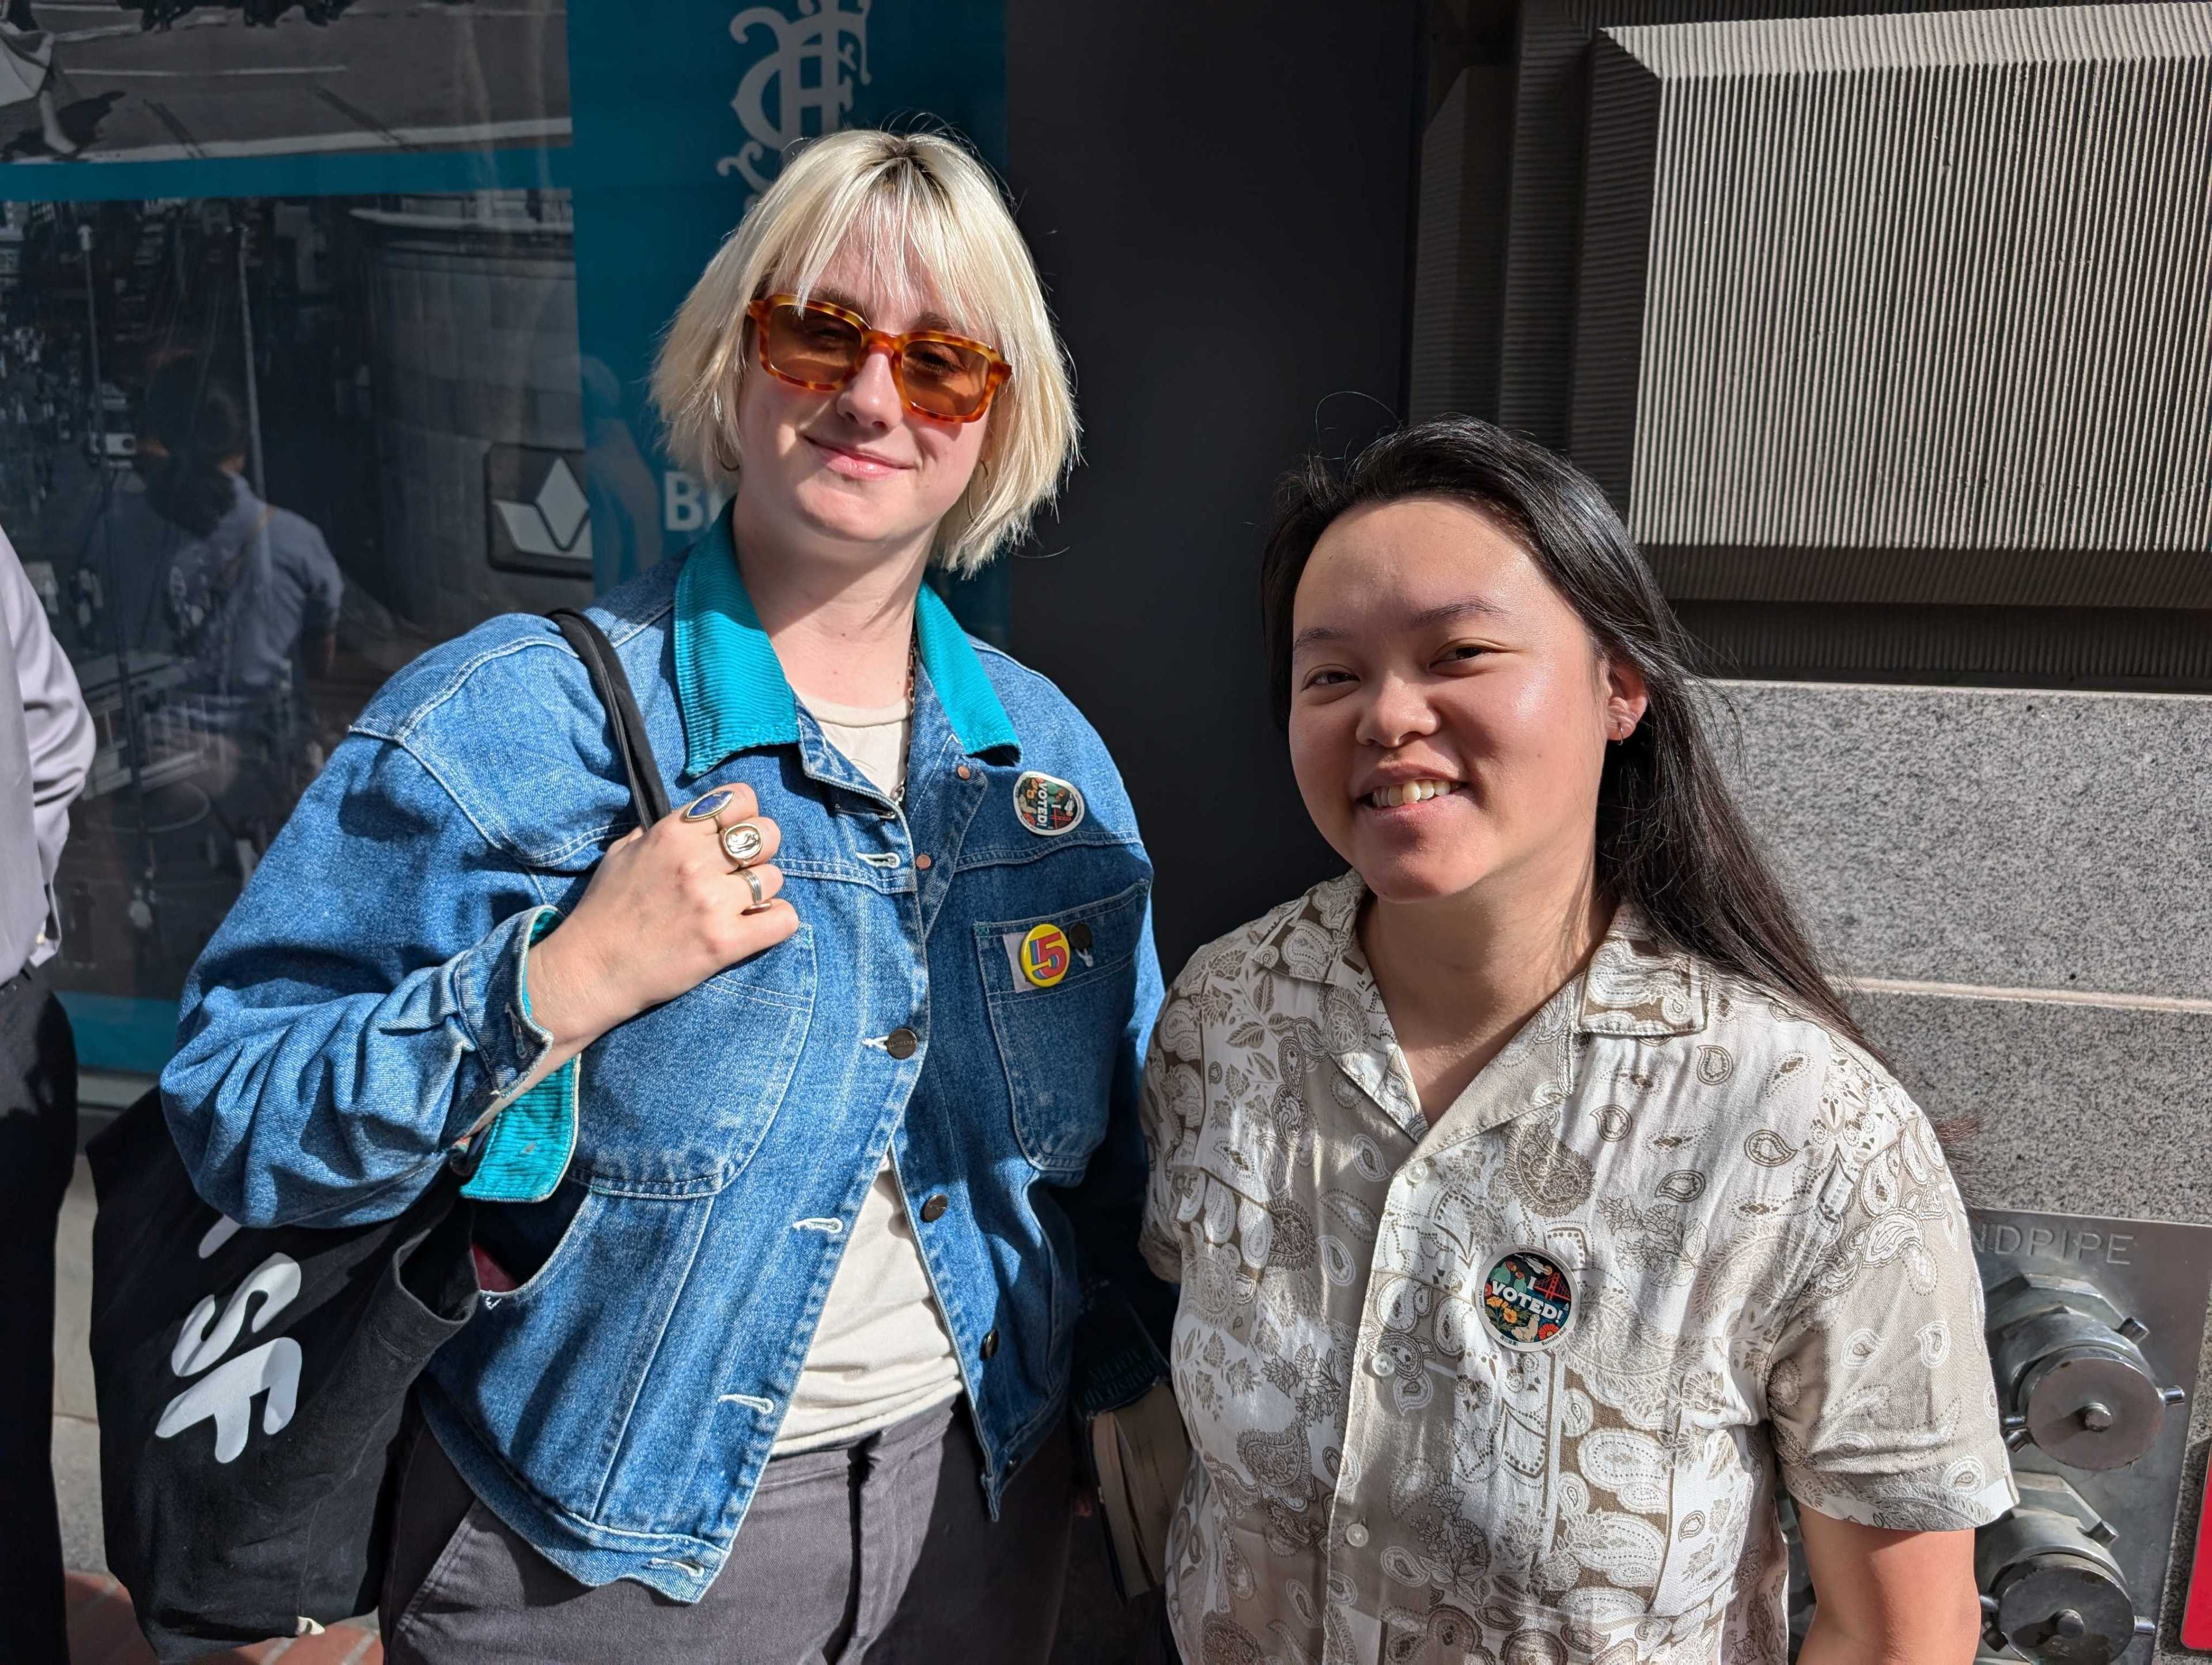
(663, 913)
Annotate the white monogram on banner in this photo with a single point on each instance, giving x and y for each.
(817, 59)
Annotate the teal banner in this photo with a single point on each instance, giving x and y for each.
(681, 125)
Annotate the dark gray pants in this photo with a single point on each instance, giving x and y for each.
(38, 1148)
(880, 1552)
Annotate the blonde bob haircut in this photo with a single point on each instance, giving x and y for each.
(928, 212)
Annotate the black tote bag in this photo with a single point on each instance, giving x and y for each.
(251, 1384)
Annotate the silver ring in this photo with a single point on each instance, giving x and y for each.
(743, 843)
(753, 884)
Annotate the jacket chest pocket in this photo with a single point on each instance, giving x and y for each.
(675, 1102)
(1059, 987)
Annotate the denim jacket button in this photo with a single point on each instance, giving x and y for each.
(902, 1043)
(964, 771)
(933, 1210)
(990, 1343)
(922, 862)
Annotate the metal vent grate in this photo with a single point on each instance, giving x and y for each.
(1907, 283)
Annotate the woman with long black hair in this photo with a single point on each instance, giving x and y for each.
(1538, 1205)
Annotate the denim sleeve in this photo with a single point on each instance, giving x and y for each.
(1116, 1361)
(360, 1008)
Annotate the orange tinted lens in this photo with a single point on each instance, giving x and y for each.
(808, 344)
(944, 379)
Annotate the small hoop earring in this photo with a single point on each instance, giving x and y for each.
(721, 432)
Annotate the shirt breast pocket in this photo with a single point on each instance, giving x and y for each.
(1059, 987)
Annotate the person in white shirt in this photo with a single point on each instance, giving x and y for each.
(1540, 1210)
(45, 749)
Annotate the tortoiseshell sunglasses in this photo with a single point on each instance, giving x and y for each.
(816, 345)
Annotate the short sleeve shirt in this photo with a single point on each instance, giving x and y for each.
(1519, 1387)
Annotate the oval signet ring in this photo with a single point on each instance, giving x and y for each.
(753, 884)
(743, 843)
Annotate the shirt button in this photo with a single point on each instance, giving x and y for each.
(922, 862)
(934, 1208)
(1356, 1535)
(1383, 1364)
(964, 771)
(902, 1043)
(990, 1344)
(1417, 1169)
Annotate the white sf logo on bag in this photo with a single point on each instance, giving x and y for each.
(227, 1395)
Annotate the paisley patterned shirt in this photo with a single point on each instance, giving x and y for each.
(1516, 1388)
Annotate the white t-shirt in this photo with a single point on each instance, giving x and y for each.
(881, 1353)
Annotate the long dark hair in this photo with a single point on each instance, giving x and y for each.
(1670, 840)
(201, 424)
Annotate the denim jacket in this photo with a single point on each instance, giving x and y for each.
(364, 1007)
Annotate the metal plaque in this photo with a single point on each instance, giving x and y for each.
(2158, 1274)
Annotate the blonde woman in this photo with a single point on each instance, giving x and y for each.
(798, 1085)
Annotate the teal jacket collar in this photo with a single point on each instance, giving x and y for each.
(732, 692)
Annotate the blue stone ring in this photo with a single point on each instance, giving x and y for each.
(709, 805)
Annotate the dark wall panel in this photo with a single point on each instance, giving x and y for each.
(1220, 198)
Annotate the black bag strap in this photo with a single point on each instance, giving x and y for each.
(646, 794)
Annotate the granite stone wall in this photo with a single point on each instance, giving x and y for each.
(2018, 885)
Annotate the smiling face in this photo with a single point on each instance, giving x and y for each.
(1450, 713)
(853, 471)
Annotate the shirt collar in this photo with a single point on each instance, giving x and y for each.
(734, 695)
(1636, 983)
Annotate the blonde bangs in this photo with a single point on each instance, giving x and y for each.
(933, 224)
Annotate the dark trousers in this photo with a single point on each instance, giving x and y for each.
(38, 1148)
(877, 1552)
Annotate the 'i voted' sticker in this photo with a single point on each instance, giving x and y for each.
(1047, 805)
(1528, 1299)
